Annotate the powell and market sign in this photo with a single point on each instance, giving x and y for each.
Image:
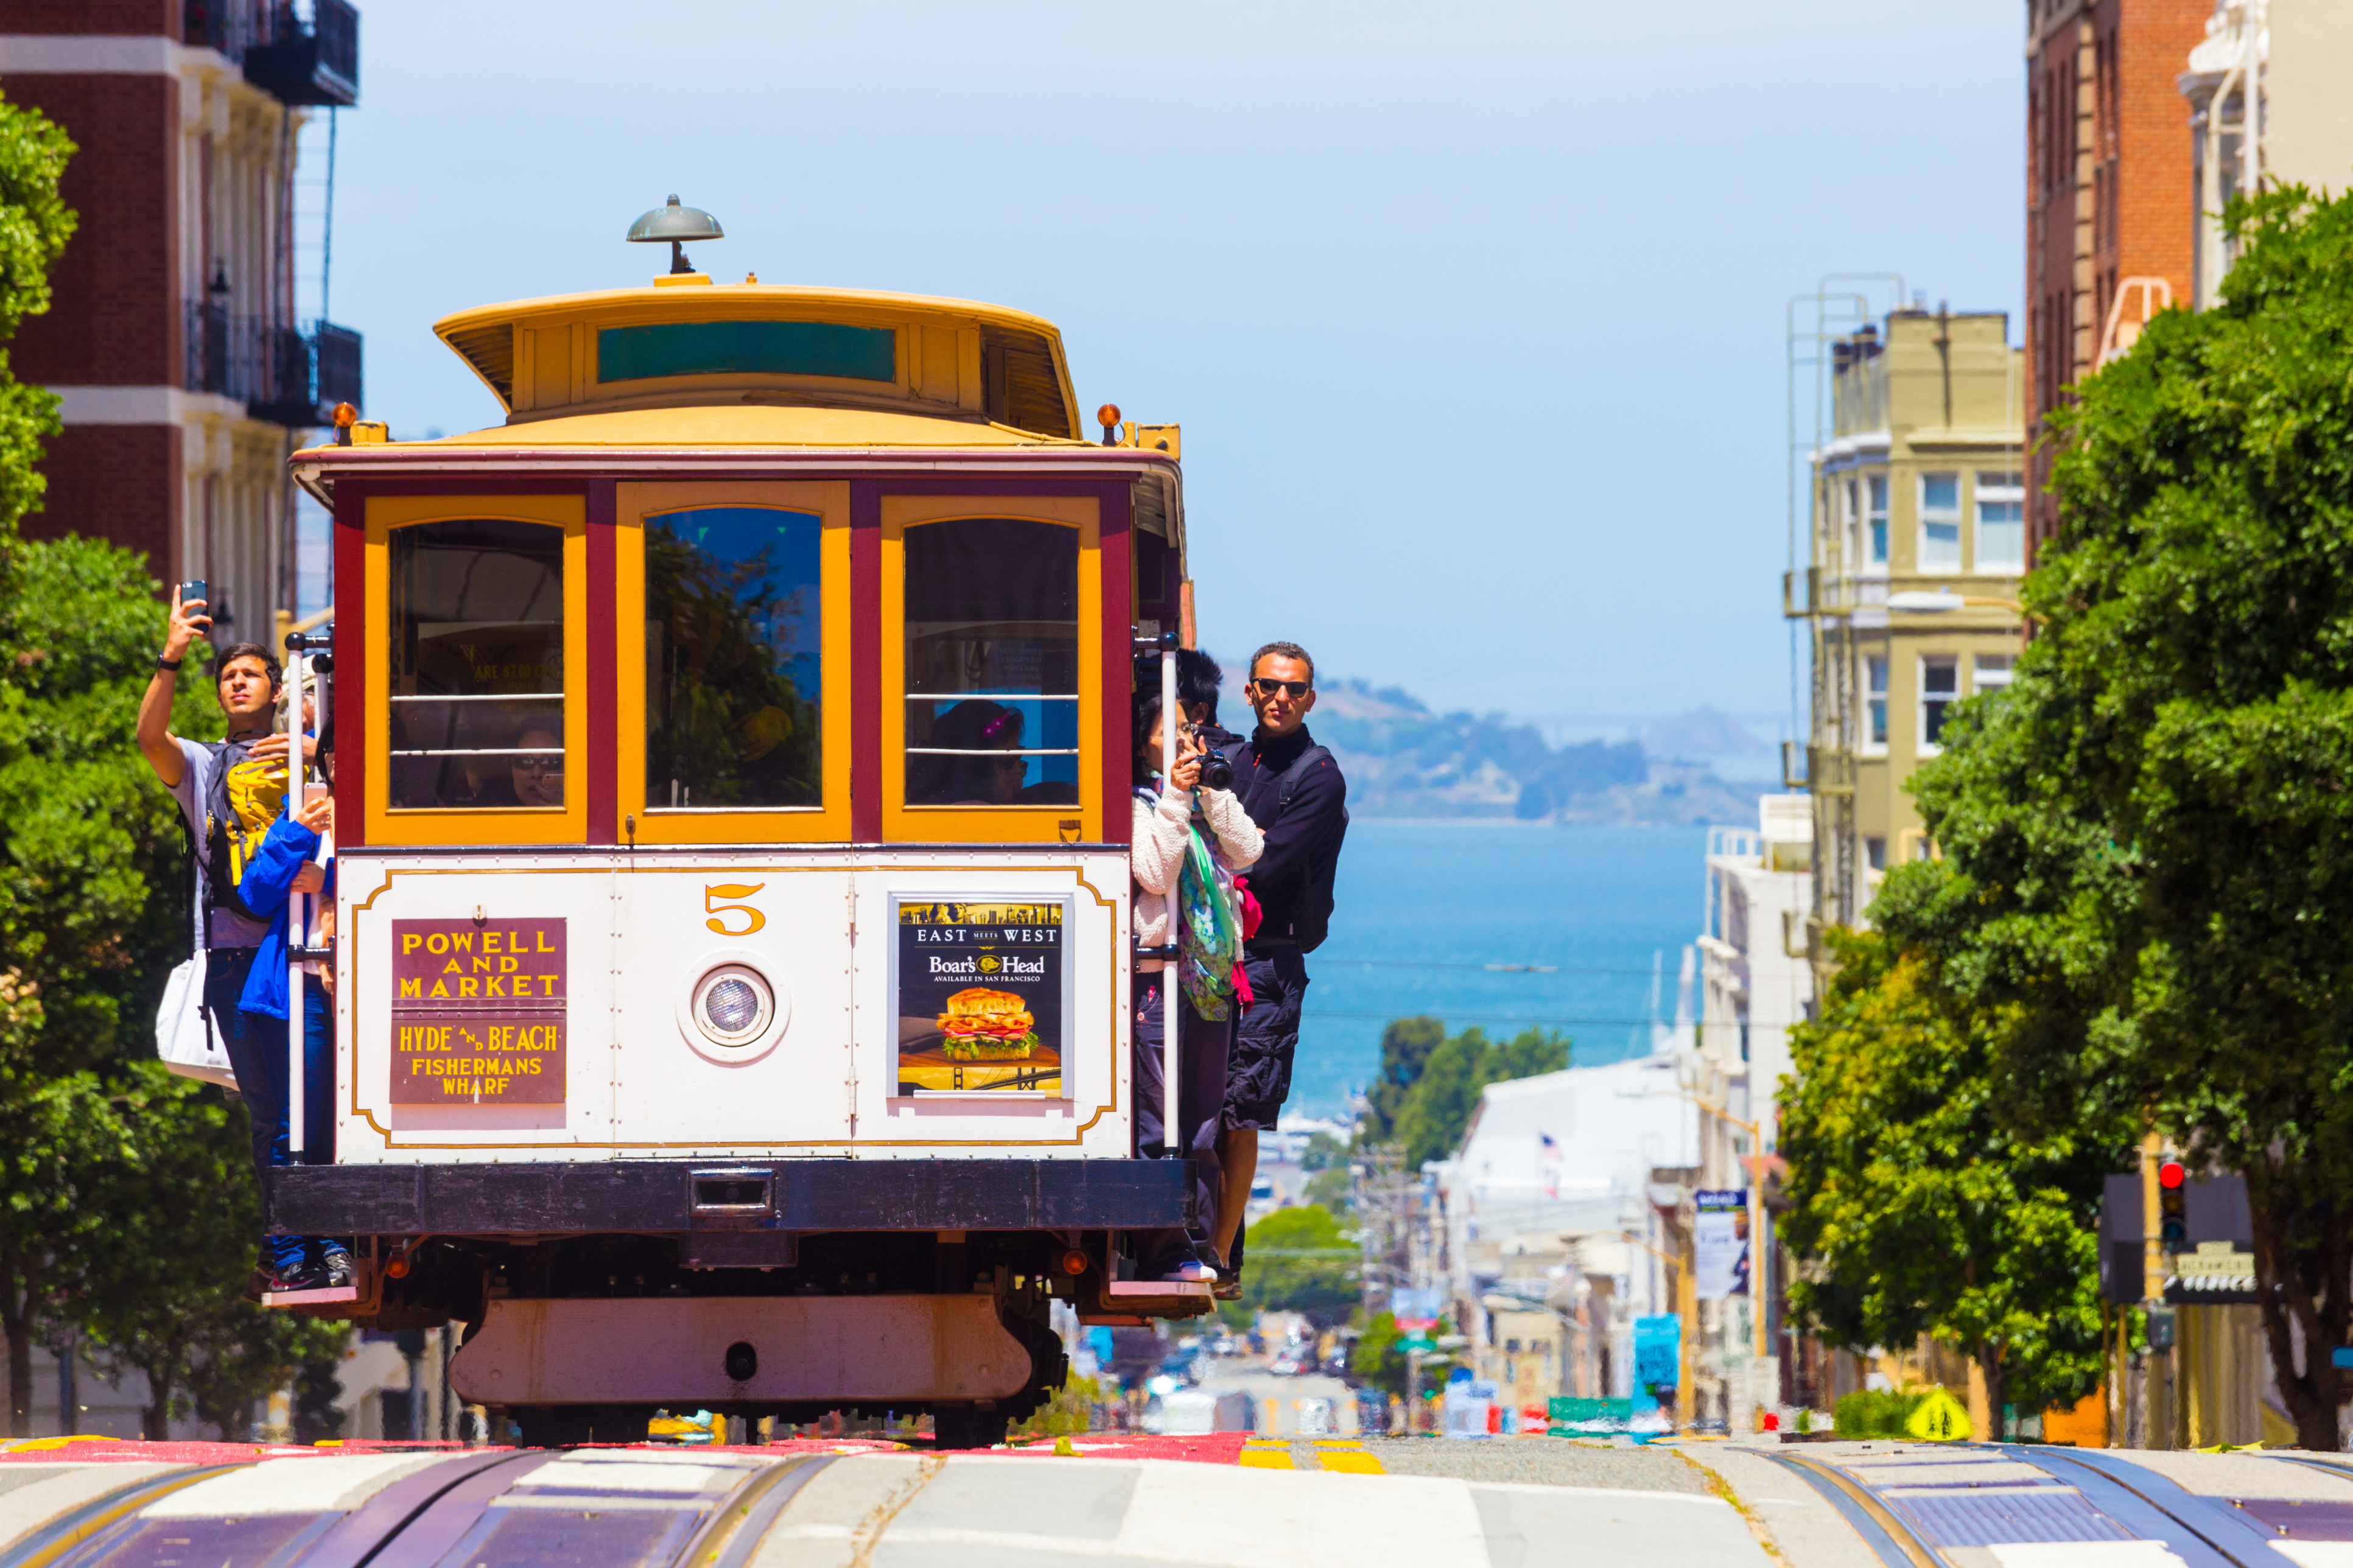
(477, 1012)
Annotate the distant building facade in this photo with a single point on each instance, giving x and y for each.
(2298, 54)
(1552, 1246)
(183, 375)
(2109, 188)
(1917, 544)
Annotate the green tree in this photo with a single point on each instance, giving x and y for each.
(1302, 1261)
(57, 1137)
(1406, 1046)
(34, 224)
(1918, 1209)
(166, 1293)
(248, 1354)
(93, 908)
(126, 1209)
(1437, 1107)
(2148, 836)
(1380, 1360)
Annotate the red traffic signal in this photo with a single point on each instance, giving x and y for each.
(2169, 1174)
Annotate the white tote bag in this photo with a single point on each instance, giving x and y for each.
(185, 1036)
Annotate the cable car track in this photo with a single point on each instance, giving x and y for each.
(646, 1509)
(1907, 1524)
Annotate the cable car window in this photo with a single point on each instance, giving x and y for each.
(734, 665)
(992, 650)
(477, 664)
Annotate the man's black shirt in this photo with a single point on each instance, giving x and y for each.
(1294, 837)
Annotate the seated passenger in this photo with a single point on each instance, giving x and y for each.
(538, 780)
(974, 726)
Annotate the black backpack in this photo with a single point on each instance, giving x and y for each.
(1315, 922)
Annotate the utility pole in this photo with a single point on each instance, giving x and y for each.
(1687, 1309)
(2155, 1404)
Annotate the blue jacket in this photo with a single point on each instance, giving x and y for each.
(268, 879)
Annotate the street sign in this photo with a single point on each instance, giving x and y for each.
(1939, 1418)
(1720, 1242)
(2216, 1274)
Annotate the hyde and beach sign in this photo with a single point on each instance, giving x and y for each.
(477, 1012)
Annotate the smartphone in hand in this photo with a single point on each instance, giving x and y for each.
(197, 591)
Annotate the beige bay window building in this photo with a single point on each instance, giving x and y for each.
(1916, 544)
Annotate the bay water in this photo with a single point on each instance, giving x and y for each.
(1505, 927)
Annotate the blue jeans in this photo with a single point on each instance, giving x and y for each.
(256, 1052)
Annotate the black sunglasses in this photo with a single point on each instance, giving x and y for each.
(1266, 688)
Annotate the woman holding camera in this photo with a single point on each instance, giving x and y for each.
(1182, 830)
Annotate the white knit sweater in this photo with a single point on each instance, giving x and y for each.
(1157, 853)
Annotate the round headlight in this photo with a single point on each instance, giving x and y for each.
(734, 1004)
(731, 1007)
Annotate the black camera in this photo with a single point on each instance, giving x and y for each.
(1217, 772)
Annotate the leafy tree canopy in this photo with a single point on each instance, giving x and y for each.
(34, 224)
(2149, 841)
(1300, 1260)
(1437, 1109)
(1920, 1211)
(1379, 1361)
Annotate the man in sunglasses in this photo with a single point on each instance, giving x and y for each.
(1292, 790)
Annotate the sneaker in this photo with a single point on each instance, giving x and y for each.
(304, 1276)
(1230, 1288)
(335, 1263)
(1194, 1272)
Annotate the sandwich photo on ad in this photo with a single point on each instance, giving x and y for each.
(982, 1025)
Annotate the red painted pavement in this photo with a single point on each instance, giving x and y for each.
(1218, 1448)
(1214, 1449)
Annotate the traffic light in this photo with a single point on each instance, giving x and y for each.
(2172, 1206)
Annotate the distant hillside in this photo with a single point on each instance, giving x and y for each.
(1402, 760)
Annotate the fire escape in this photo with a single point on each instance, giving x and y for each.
(284, 372)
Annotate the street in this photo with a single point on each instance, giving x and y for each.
(1248, 1501)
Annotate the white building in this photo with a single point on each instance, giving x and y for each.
(1548, 1203)
(1755, 980)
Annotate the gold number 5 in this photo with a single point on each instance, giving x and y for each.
(732, 893)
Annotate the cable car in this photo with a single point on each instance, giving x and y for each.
(732, 935)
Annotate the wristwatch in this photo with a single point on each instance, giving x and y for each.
(163, 663)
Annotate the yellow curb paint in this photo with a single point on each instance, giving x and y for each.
(1266, 1458)
(1355, 1462)
(44, 1445)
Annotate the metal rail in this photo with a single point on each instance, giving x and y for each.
(1889, 1537)
(2203, 1531)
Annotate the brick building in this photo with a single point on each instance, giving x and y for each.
(2110, 192)
(183, 375)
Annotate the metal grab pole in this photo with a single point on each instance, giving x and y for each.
(1172, 997)
(298, 913)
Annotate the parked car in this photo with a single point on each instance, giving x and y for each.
(1191, 1411)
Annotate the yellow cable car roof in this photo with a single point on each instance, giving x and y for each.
(688, 343)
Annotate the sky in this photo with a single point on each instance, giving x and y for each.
(1472, 315)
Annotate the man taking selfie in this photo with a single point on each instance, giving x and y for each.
(1293, 789)
(231, 791)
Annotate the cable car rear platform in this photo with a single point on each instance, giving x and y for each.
(589, 1197)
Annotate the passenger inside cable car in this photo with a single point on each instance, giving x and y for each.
(992, 663)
